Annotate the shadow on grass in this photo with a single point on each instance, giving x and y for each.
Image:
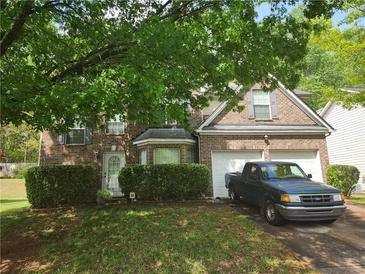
(6, 201)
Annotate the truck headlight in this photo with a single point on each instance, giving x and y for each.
(290, 198)
(338, 197)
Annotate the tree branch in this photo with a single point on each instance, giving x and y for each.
(12, 35)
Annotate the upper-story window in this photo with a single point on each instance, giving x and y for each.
(261, 104)
(115, 125)
(76, 135)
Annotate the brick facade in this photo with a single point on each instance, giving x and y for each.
(288, 114)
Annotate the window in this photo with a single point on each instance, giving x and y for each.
(166, 156)
(76, 136)
(253, 172)
(143, 157)
(261, 104)
(115, 125)
(190, 155)
(282, 171)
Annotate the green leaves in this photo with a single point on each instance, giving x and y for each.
(72, 60)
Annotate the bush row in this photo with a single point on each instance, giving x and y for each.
(342, 177)
(165, 182)
(58, 185)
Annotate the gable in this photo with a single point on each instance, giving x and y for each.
(288, 113)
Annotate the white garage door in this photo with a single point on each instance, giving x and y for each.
(228, 161)
(307, 160)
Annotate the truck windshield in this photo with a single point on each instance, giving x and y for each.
(282, 171)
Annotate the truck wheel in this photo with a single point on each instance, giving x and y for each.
(272, 215)
(232, 194)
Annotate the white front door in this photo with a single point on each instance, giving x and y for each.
(229, 161)
(112, 164)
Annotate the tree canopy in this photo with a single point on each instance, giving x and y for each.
(336, 59)
(68, 60)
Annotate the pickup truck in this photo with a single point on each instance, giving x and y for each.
(284, 192)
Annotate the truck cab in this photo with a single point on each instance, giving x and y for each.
(285, 192)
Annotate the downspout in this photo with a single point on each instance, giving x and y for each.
(198, 136)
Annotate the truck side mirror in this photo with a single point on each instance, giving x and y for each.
(309, 176)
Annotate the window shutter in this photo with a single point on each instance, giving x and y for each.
(61, 139)
(88, 136)
(274, 106)
(251, 113)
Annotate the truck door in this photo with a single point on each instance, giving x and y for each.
(253, 184)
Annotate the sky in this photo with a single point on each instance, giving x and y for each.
(264, 10)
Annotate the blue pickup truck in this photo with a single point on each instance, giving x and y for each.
(285, 192)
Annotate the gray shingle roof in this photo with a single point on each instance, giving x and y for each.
(164, 133)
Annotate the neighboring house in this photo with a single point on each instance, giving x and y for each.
(346, 144)
(273, 126)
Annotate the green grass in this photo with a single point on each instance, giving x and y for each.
(358, 198)
(12, 195)
(148, 240)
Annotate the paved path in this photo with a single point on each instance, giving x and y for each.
(329, 248)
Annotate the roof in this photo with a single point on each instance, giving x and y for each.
(167, 135)
(291, 95)
(264, 129)
(301, 92)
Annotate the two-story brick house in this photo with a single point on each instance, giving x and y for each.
(275, 125)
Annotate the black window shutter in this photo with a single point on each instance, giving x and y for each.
(88, 136)
(251, 112)
(274, 106)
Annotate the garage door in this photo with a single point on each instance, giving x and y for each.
(307, 160)
(226, 161)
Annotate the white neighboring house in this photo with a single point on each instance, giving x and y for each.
(346, 144)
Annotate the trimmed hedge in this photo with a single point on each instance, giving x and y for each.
(342, 177)
(58, 185)
(165, 182)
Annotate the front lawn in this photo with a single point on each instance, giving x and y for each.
(201, 239)
(12, 195)
(358, 198)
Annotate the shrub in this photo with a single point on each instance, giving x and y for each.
(103, 194)
(19, 172)
(56, 185)
(165, 182)
(342, 177)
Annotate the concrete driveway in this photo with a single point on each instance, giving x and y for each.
(328, 248)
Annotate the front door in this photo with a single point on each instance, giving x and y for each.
(113, 162)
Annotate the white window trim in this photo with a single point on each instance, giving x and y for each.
(78, 144)
(176, 149)
(269, 104)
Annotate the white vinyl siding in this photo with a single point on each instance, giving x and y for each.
(346, 144)
(115, 125)
(166, 156)
(261, 104)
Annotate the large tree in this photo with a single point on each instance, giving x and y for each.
(336, 59)
(67, 60)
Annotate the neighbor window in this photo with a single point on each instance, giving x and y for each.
(143, 157)
(76, 135)
(261, 104)
(115, 125)
(166, 156)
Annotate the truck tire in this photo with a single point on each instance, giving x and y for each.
(232, 194)
(272, 215)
